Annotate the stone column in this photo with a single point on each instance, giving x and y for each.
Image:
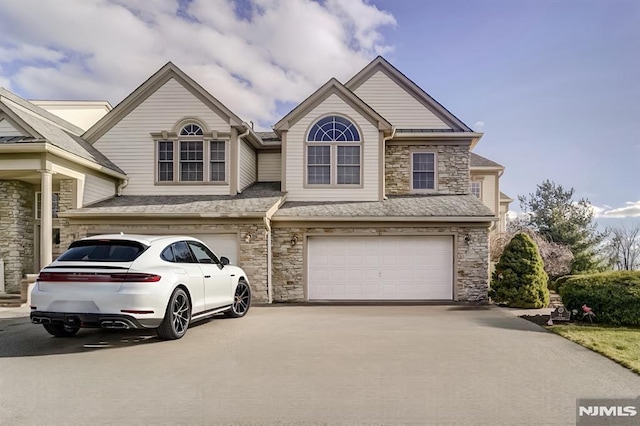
(16, 231)
(46, 219)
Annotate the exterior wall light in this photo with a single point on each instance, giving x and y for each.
(247, 237)
(294, 240)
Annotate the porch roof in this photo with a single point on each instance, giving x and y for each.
(259, 200)
(459, 208)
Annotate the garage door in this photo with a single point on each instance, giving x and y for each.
(221, 244)
(380, 268)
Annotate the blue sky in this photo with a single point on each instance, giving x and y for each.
(552, 84)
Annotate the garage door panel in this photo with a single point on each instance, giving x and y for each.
(380, 268)
(222, 245)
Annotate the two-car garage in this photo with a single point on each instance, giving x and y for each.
(380, 268)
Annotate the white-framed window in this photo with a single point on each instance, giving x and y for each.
(191, 157)
(423, 171)
(475, 188)
(334, 152)
(55, 205)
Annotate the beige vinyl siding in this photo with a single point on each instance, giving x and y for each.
(7, 129)
(130, 145)
(247, 165)
(97, 188)
(489, 189)
(296, 153)
(79, 115)
(502, 222)
(269, 166)
(395, 104)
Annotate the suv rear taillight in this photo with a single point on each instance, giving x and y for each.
(133, 277)
(97, 277)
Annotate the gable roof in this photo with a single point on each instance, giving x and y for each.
(35, 109)
(332, 87)
(44, 127)
(146, 89)
(476, 160)
(504, 198)
(381, 64)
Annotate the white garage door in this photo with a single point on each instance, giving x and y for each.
(222, 245)
(380, 268)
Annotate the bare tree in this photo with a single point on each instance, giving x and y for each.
(624, 247)
(557, 258)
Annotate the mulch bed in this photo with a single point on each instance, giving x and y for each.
(537, 319)
(543, 319)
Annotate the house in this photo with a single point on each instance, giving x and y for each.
(367, 190)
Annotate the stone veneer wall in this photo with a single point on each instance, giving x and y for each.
(452, 170)
(471, 259)
(252, 255)
(65, 202)
(16, 231)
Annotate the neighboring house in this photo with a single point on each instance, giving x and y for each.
(365, 191)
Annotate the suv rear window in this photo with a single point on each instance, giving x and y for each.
(103, 251)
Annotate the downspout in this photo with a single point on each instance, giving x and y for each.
(121, 186)
(238, 151)
(384, 161)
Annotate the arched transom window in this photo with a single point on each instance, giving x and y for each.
(333, 152)
(191, 156)
(191, 130)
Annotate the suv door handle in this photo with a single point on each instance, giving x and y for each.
(207, 276)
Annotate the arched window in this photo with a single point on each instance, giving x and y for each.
(334, 129)
(333, 152)
(191, 155)
(191, 130)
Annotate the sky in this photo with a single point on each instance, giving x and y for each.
(553, 85)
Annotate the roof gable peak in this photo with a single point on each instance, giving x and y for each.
(147, 88)
(381, 64)
(332, 86)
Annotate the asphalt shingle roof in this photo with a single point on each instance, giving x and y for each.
(60, 134)
(252, 202)
(268, 136)
(395, 206)
(479, 161)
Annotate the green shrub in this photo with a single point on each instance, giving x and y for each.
(557, 284)
(519, 279)
(614, 296)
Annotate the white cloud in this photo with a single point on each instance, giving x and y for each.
(630, 209)
(478, 126)
(513, 215)
(103, 49)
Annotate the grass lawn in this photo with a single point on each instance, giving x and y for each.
(621, 344)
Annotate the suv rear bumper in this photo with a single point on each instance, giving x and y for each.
(92, 320)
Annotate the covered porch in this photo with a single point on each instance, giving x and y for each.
(34, 188)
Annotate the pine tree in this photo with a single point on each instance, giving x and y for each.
(555, 215)
(519, 279)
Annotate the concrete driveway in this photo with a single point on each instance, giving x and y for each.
(308, 365)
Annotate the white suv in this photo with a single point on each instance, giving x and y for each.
(137, 281)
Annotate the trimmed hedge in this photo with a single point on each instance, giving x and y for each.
(614, 296)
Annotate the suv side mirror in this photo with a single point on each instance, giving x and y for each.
(224, 260)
